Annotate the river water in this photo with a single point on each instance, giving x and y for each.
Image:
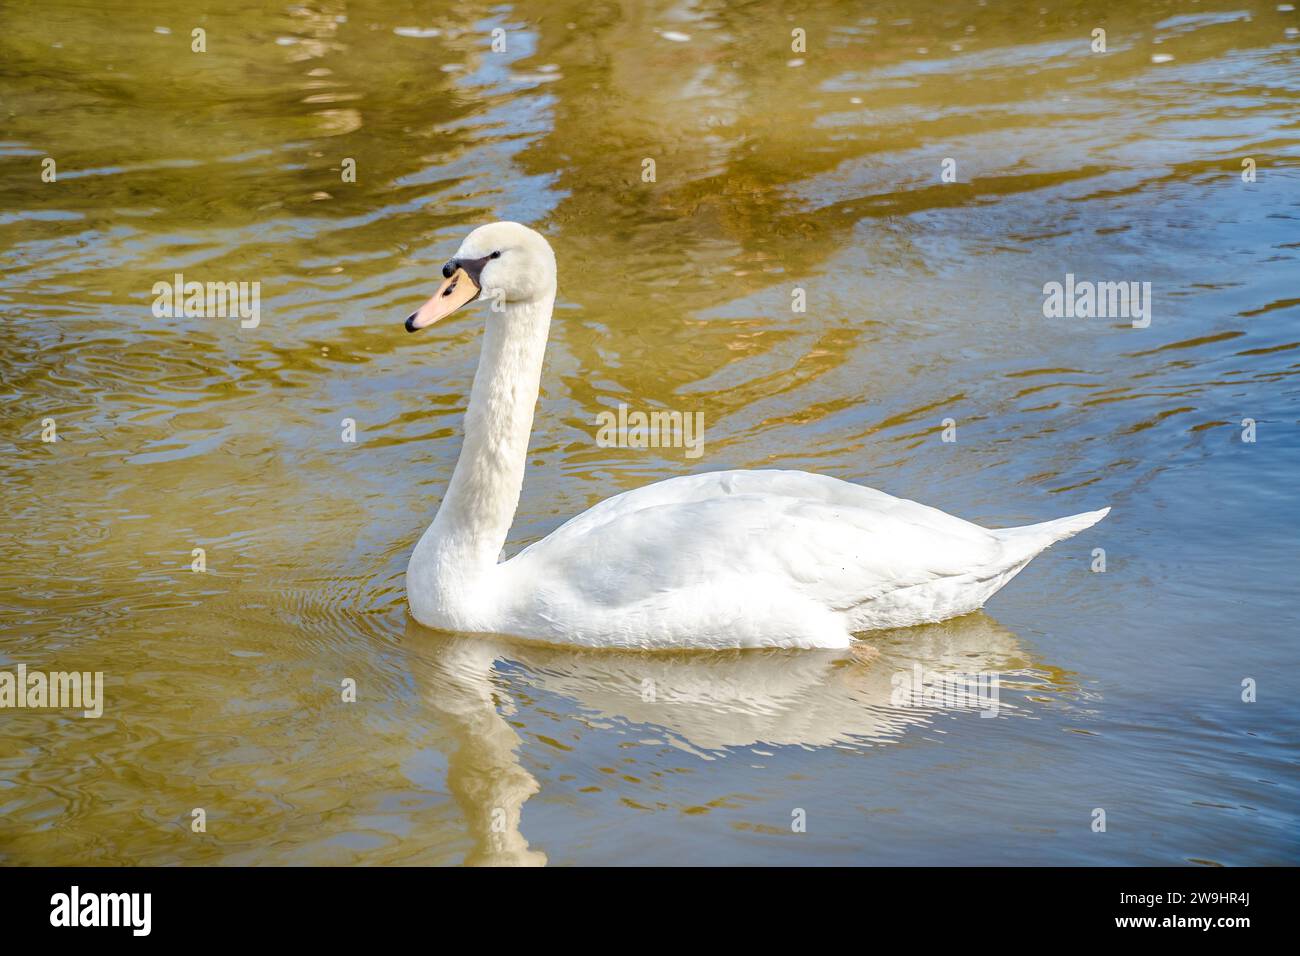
(336, 152)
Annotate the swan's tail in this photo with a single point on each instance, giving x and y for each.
(1027, 540)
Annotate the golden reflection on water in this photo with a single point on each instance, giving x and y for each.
(774, 170)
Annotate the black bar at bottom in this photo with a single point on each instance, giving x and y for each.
(214, 905)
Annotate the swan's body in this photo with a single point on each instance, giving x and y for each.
(725, 559)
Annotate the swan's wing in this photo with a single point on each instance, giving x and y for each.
(721, 484)
(836, 543)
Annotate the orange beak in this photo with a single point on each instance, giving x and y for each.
(451, 295)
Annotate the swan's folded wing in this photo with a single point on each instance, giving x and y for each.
(801, 485)
(836, 543)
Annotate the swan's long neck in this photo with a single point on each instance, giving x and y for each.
(465, 540)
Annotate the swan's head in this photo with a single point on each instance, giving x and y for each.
(503, 262)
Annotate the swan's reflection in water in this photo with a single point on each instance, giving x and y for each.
(706, 703)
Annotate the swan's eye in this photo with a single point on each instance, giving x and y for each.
(495, 255)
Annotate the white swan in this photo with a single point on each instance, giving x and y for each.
(725, 559)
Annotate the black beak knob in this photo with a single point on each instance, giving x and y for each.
(449, 268)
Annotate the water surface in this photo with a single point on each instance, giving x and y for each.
(776, 170)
